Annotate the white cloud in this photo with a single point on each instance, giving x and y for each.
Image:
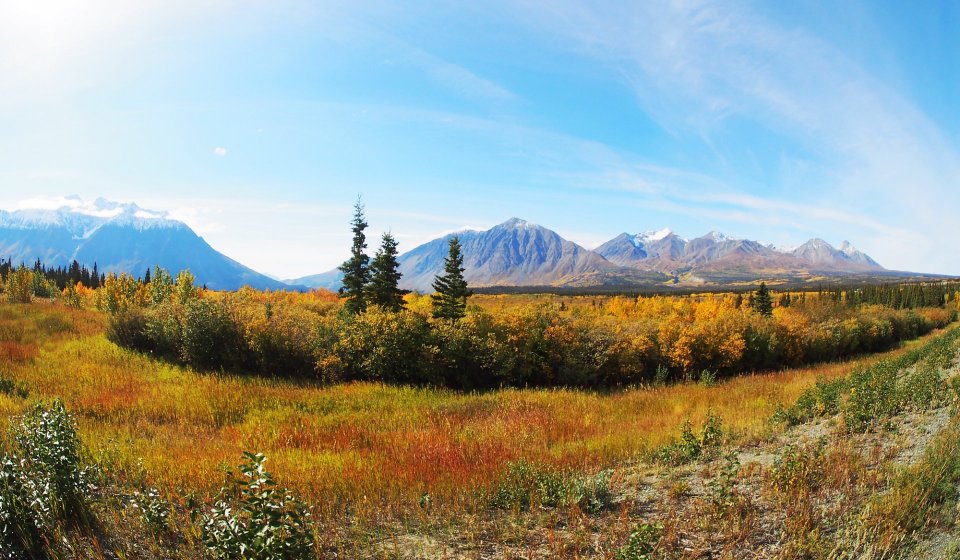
(220, 151)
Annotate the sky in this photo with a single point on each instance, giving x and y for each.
(259, 123)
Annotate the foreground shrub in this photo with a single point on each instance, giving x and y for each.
(253, 519)
(42, 481)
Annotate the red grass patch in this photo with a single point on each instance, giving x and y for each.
(17, 352)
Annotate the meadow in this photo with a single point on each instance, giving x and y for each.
(369, 457)
(367, 450)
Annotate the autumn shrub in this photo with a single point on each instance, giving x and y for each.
(622, 343)
(164, 328)
(283, 340)
(471, 353)
(383, 346)
(211, 338)
(524, 332)
(129, 329)
(19, 285)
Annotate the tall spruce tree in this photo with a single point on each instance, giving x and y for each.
(355, 271)
(450, 299)
(384, 276)
(763, 303)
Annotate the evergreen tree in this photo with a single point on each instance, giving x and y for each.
(763, 303)
(450, 299)
(785, 300)
(384, 276)
(355, 271)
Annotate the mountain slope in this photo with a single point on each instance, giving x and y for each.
(120, 238)
(514, 253)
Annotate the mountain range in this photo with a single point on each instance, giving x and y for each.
(519, 253)
(122, 237)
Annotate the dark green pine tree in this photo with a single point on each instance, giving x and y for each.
(384, 276)
(355, 271)
(450, 299)
(763, 303)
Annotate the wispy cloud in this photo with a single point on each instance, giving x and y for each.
(453, 77)
(700, 67)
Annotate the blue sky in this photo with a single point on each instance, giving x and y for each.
(258, 123)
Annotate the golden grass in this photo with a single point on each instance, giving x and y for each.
(362, 448)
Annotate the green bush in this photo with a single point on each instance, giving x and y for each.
(13, 388)
(254, 519)
(525, 485)
(642, 543)
(383, 346)
(211, 338)
(689, 446)
(470, 354)
(129, 329)
(42, 481)
(154, 510)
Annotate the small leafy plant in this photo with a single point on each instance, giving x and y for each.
(689, 446)
(642, 543)
(525, 485)
(254, 519)
(154, 510)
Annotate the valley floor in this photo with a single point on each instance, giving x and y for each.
(778, 465)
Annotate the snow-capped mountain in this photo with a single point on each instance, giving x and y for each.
(119, 237)
(717, 252)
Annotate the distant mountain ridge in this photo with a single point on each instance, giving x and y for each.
(520, 253)
(715, 252)
(120, 237)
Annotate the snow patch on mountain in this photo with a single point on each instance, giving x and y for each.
(847, 249)
(81, 217)
(651, 236)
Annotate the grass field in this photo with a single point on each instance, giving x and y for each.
(367, 450)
